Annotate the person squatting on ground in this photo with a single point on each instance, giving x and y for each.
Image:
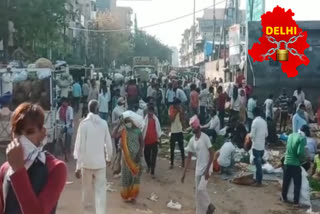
(200, 146)
(31, 180)
(151, 135)
(176, 116)
(93, 151)
(225, 157)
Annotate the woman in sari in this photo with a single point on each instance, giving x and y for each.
(129, 129)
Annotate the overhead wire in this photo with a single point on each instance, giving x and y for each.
(147, 26)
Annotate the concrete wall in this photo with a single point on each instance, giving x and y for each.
(211, 71)
(269, 77)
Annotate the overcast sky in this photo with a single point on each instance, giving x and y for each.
(153, 11)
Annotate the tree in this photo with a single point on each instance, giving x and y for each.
(147, 45)
(38, 24)
(108, 46)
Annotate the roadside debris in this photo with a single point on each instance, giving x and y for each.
(244, 179)
(174, 205)
(153, 197)
(109, 187)
(144, 211)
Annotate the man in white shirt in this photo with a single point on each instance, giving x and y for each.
(212, 128)
(118, 110)
(93, 150)
(299, 94)
(179, 93)
(7, 81)
(309, 110)
(203, 98)
(226, 156)
(200, 146)
(104, 99)
(258, 135)
(269, 107)
(252, 103)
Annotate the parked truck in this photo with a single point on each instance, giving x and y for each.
(144, 67)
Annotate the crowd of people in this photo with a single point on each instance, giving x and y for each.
(122, 123)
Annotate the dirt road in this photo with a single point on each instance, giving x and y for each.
(228, 198)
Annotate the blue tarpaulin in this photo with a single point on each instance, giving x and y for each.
(208, 48)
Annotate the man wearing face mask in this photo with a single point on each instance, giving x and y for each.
(200, 146)
(31, 180)
(93, 150)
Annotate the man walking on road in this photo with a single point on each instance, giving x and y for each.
(151, 135)
(201, 146)
(104, 99)
(76, 94)
(93, 150)
(176, 116)
(203, 97)
(258, 134)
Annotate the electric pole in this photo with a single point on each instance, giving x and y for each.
(214, 30)
(194, 34)
(237, 12)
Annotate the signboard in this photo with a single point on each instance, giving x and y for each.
(234, 44)
(144, 60)
(255, 8)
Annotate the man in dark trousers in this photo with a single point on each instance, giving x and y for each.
(295, 152)
(151, 135)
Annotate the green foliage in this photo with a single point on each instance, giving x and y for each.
(218, 143)
(147, 45)
(188, 136)
(38, 24)
(106, 47)
(314, 184)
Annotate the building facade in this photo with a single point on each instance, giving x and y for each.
(106, 5)
(123, 16)
(267, 77)
(208, 36)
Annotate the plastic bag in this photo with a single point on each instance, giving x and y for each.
(244, 180)
(21, 76)
(136, 118)
(265, 156)
(42, 74)
(304, 192)
(223, 131)
(267, 168)
(116, 167)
